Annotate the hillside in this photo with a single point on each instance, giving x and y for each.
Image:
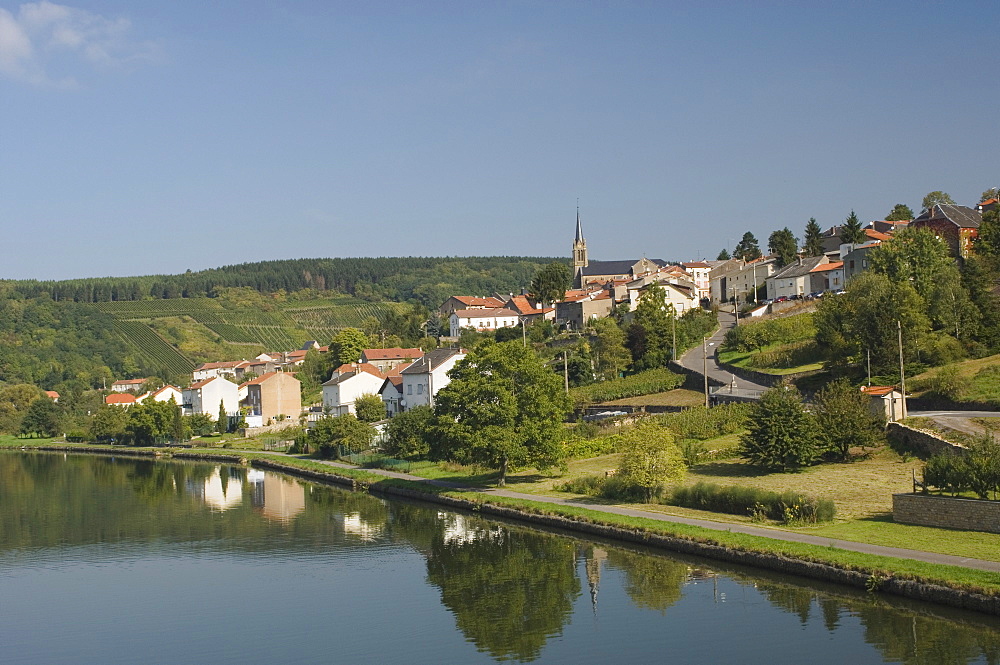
(76, 334)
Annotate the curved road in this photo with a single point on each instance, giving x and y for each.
(694, 359)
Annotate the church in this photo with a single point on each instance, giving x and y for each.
(594, 273)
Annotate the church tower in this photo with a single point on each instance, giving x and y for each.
(579, 252)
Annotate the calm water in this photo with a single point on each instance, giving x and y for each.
(120, 561)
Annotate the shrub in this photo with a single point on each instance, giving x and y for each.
(584, 448)
(787, 356)
(787, 507)
(758, 334)
(948, 382)
(643, 383)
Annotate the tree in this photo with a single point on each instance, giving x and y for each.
(610, 354)
(784, 245)
(149, 423)
(747, 248)
(369, 408)
(991, 193)
(503, 409)
(851, 231)
(845, 419)
(177, 430)
(43, 417)
(347, 346)
(550, 283)
(108, 423)
(223, 422)
(936, 197)
(331, 434)
(850, 325)
(900, 213)
(781, 434)
(653, 315)
(650, 458)
(408, 433)
(723, 255)
(813, 240)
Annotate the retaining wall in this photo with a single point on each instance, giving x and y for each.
(946, 512)
(920, 441)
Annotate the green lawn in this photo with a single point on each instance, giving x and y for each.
(679, 397)
(744, 360)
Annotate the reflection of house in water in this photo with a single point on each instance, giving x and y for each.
(218, 492)
(459, 530)
(277, 497)
(355, 525)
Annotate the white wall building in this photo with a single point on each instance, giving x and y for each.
(340, 392)
(425, 377)
(482, 319)
(205, 396)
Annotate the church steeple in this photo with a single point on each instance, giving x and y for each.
(579, 252)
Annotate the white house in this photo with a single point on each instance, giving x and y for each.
(699, 271)
(482, 319)
(794, 279)
(425, 377)
(681, 294)
(739, 279)
(392, 394)
(340, 391)
(164, 394)
(205, 396)
(233, 368)
(128, 385)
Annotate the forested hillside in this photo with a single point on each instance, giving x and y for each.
(77, 334)
(424, 280)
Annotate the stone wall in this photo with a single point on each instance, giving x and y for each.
(919, 441)
(946, 512)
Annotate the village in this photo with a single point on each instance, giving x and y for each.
(262, 394)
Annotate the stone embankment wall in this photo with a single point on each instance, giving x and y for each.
(946, 512)
(920, 441)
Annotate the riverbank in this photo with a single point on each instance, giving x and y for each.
(953, 585)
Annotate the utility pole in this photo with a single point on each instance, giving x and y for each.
(524, 335)
(869, 367)
(902, 376)
(704, 369)
(673, 329)
(565, 372)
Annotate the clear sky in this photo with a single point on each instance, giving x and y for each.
(154, 137)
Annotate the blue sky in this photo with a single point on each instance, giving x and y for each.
(156, 137)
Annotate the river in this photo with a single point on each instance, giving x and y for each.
(118, 560)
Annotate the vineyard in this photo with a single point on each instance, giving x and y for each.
(150, 349)
(285, 327)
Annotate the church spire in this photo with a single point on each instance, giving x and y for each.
(579, 252)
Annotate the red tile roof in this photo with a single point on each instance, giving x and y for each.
(359, 367)
(395, 353)
(129, 382)
(876, 235)
(120, 398)
(878, 391)
(475, 301)
(52, 394)
(697, 264)
(228, 364)
(824, 267)
(484, 313)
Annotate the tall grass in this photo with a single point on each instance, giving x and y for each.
(788, 507)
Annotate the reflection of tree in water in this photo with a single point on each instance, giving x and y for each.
(510, 590)
(921, 640)
(652, 582)
(900, 636)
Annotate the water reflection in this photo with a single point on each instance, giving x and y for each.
(511, 592)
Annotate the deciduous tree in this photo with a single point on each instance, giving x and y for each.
(345, 431)
(899, 213)
(650, 458)
(369, 408)
(611, 356)
(781, 434)
(935, 198)
(43, 417)
(846, 420)
(550, 283)
(409, 433)
(347, 346)
(503, 409)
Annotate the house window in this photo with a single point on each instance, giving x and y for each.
(420, 389)
(851, 264)
(409, 389)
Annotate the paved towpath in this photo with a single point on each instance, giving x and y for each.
(753, 530)
(694, 359)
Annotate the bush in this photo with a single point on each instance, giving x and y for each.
(948, 382)
(786, 356)
(584, 448)
(977, 471)
(758, 334)
(644, 383)
(702, 423)
(787, 507)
